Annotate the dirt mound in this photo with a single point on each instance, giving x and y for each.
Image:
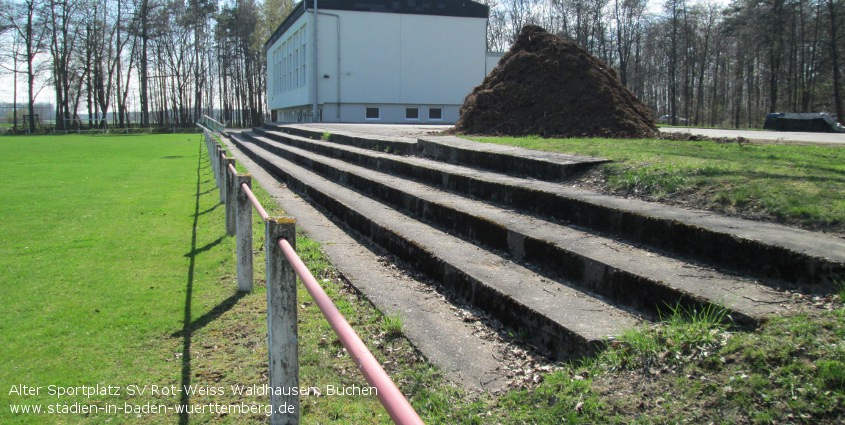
(549, 86)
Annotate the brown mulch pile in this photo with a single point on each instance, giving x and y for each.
(549, 86)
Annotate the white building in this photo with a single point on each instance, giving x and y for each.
(387, 61)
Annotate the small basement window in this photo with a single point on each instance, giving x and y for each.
(435, 113)
(412, 113)
(373, 113)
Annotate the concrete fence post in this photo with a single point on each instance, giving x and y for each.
(209, 149)
(207, 139)
(215, 162)
(219, 177)
(224, 174)
(231, 195)
(223, 171)
(244, 234)
(209, 144)
(281, 323)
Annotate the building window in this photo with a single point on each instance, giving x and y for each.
(373, 113)
(291, 60)
(412, 113)
(435, 113)
(304, 61)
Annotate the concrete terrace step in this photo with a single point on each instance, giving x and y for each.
(562, 321)
(629, 276)
(451, 337)
(506, 159)
(783, 256)
(548, 166)
(381, 144)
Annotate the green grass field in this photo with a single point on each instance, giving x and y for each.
(116, 270)
(798, 185)
(111, 248)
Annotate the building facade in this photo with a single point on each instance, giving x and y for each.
(379, 61)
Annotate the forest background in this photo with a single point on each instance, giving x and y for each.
(165, 63)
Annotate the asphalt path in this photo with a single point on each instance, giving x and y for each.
(411, 132)
(786, 137)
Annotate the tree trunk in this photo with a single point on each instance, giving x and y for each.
(834, 59)
(145, 108)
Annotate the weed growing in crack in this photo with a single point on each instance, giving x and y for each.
(840, 285)
(392, 325)
(684, 334)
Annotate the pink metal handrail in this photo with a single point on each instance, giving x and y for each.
(261, 211)
(391, 398)
(255, 203)
(397, 406)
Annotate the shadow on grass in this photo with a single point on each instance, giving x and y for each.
(211, 209)
(212, 315)
(205, 247)
(189, 326)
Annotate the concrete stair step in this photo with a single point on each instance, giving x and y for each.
(380, 144)
(452, 337)
(782, 256)
(550, 166)
(629, 276)
(558, 319)
(512, 160)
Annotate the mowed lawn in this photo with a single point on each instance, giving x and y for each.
(115, 270)
(111, 255)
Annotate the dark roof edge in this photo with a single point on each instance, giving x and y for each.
(455, 8)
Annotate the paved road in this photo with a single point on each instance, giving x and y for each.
(766, 136)
(402, 131)
(415, 131)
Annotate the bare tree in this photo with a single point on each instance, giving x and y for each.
(25, 19)
(12, 53)
(674, 10)
(142, 19)
(518, 13)
(627, 16)
(63, 24)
